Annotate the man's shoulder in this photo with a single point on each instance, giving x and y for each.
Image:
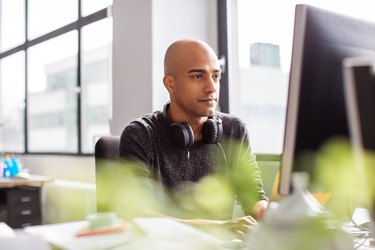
(147, 120)
(233, 126)
(229, 119)
(145, 123)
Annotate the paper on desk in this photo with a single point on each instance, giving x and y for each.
(158, 234)
(63, 236)
(163, 233)
(361, 215)
(6, 231)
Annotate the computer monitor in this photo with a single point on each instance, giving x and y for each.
(316, 109)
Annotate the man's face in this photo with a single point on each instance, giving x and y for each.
(196, 83)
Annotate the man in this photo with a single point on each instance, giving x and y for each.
(192, 77)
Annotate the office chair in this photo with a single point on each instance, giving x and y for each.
(107, 148)
(106, 156)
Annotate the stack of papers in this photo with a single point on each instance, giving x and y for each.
(143, 233)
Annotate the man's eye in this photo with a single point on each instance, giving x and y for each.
(217, 76)
(197, 76)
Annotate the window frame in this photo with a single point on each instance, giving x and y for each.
(223, 38)
(76, 25)
(223, 53)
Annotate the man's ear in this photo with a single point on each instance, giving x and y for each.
(168, 83)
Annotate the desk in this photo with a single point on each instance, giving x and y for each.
(28, 180)
(20, 204)
(156, 233)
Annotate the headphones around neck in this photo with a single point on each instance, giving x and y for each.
(182, 134)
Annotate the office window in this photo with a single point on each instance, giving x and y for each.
(12, 102)
(52, 92)
(12, 23)
(89, 6)
(96, 69)
(46, 15)
(61, 75)
(260, 43)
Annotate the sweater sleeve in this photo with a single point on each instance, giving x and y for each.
(245, 172)
(248, 180)
(135, 143)
(135, 151)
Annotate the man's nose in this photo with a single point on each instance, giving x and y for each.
(211, 85)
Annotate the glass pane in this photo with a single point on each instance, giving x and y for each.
(47, 15)
(96, 82)
(12, 103)
(52, 95)
(264, 42)
(262, 68)
(91, 6)
(12, 23)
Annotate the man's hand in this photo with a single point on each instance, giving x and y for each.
(259, 208)
(237, 226)
(240, 225)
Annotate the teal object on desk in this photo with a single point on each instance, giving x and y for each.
(11, 166)
(104, 219)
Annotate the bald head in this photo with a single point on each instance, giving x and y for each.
(192, 78)
(182, 51)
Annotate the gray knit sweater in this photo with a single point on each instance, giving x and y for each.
(147, 140)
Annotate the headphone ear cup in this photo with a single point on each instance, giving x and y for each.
(182, 135)
(212, 131)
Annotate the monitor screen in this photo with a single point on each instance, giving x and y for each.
(316, 108)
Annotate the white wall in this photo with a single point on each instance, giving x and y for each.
(132, 61)
(72, 168)
(142, 31)
(173, 20)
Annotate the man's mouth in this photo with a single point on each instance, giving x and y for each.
(209, 100)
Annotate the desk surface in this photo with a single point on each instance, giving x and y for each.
(160, 233)
(28, 180)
